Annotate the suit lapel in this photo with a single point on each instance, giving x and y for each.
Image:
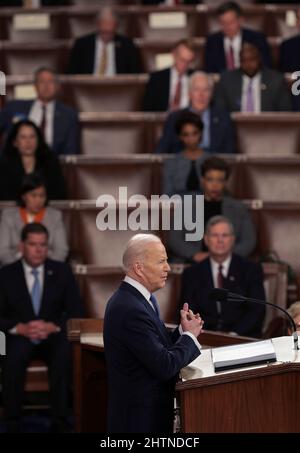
(57, 125)
(118, 56)
(48, 287)
(214, 129)
(158, 323)
(230, 281)
(166, 88)
(264, 93)
(24, 288)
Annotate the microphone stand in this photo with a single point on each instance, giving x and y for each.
(262, 302)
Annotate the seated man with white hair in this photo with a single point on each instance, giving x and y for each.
(105, 52)
(217, 134)
(143, 358)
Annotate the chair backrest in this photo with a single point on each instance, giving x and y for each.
(275, 283)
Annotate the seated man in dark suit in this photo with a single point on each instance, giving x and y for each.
(37, 297)
(143, 358)
(168, 89)
(217, 134)
(222, 49)
(224, 269)
(289, 55)
(252, 88)
(104, 52)
(57, 121)
(214, 176)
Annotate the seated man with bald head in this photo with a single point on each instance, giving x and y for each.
(217, 134)
(143, 358)
(252, 88)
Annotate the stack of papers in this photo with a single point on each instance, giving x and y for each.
(242, 355)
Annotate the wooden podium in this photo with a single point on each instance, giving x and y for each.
(256, 399)
(259, 399)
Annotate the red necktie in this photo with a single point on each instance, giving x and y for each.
(230, 58)
(220, 277)
(44, 121)
(175, 104)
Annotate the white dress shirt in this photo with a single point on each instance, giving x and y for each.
(184, 95)
(111, 61)
(236, 44)
(36, 115)
(144, 291)
(215, 269)
(256, 92)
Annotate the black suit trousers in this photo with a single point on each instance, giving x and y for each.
(56, 352)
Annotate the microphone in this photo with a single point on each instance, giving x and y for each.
(223, 295)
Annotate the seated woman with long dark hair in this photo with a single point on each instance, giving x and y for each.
(26, 152)
(32, 208)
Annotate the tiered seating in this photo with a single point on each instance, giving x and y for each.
(98, 284)
(87, 178)
(268, 133)
(139, 22)
(120, 133)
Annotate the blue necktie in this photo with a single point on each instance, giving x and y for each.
(155, 304)
(36, 292)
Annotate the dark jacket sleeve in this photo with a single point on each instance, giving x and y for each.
(6, 323)
(134, 63)
(162, 362)
(209, 55)
(75, 65)
(72, 141)
(149, 103)
(283, 98)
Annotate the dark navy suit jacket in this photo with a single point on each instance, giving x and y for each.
(221, 133)
(157, 91)
(215, 60)
(66, 139)
(83, 54)
(244, 278)
(143, 360)
(60, 301)
(289, 57)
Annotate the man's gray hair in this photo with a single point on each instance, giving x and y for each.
(215, 220)
(135, 249)
(107, 12)
(198, 74)
(294, 309)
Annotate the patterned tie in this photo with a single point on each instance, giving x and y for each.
(155, 304)
(43, 124)
(103, 60)
(249, 97)
(230, 58)
(177, 96)
(36, 292)
(220, 277)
